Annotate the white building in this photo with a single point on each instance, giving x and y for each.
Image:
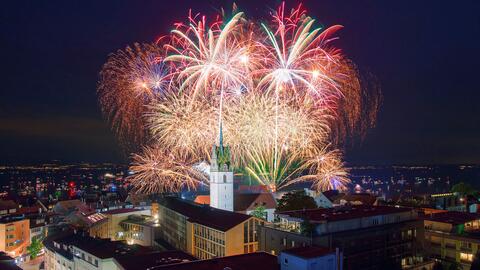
(221, 177)
(77, 251)
(311, 258)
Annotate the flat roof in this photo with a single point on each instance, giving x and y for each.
(250, 261)
(343, 213)
(452, 217)
(153, 259)
(309, 252)
(100, 248)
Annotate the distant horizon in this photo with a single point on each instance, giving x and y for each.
(60, 162)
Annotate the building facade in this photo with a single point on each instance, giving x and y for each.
(311, 258)
(110, 227)
(75, 250)
(369, 237)
(453, 237)
(206, 232)
(141, 230)
(14, 235)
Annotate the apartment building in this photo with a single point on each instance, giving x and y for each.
(14, 235)
(204, 231)
(370, 237)
(453, 237)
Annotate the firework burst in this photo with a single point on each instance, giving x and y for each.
(284, 94)
(155, 171)
(129, 80)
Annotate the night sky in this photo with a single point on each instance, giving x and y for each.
(424, 53)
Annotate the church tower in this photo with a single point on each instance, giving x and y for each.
(221, 176)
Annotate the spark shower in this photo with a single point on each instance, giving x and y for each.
(286, 98)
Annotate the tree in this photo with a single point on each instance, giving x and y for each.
(260, 212)
(35, 248)
(296, 200)
(437, 266)
(454, 266)
(463, 189)
(307, 228)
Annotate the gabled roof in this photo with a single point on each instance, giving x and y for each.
(7, 205)
(363, 198)
(250, 201)
(69, 204)
(202, 199)
(205, 215)
(332, 195)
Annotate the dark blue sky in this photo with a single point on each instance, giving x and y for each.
(424, 53)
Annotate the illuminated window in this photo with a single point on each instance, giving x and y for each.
(466, 256)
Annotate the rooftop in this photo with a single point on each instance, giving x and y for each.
(7, 205)
(149, 260)
(205, 215)
(363, 198)
(100, 248)
(452, 217)
(257, 260)
(309, 252)
(344, 213)
(121, 211)
(332, 194)
(11, 218)
(202, 199)
(249, 201)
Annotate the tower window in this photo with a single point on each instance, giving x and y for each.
(224, 179)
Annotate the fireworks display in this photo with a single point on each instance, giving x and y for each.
(285, 96)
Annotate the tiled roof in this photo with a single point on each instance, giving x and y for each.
(249, 201)
(202, 199)
(343, 213)
(205, 215)
(332, 194)
(250, 261)
(309, 252)
(7, 205)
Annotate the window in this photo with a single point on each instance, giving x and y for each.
(466, 257)
(285, 261)
(224, 179)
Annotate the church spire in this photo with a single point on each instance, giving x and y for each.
(220, 135)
